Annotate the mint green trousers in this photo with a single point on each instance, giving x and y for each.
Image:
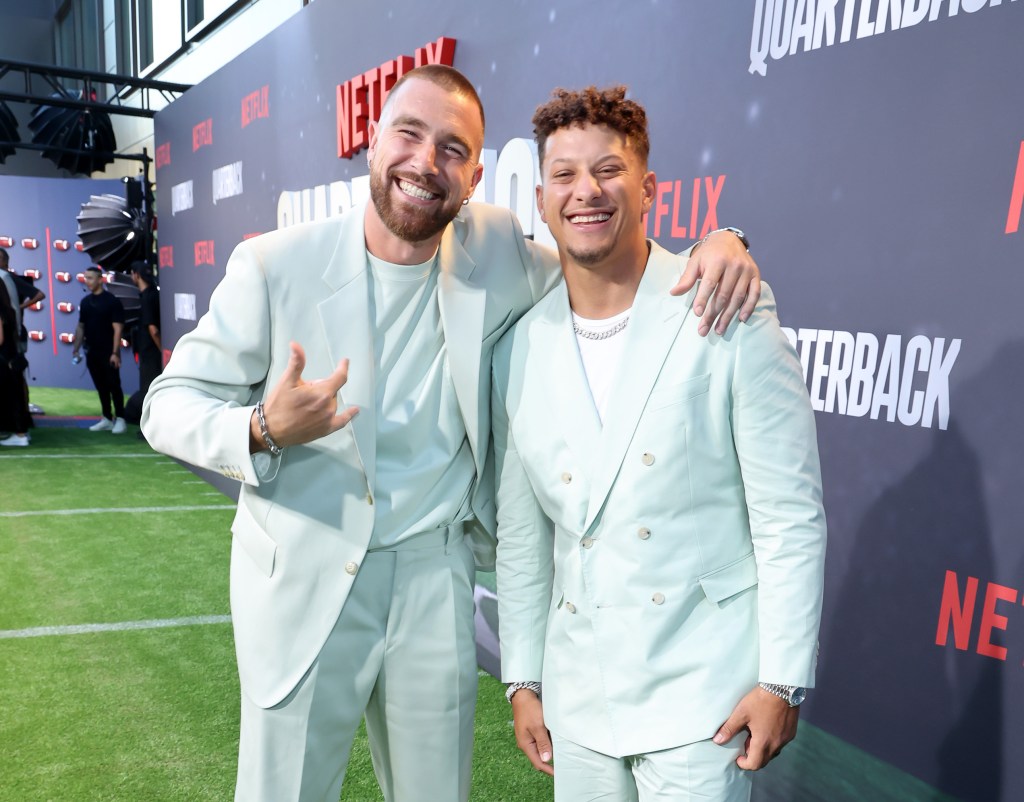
(402, 654)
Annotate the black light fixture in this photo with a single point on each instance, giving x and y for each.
(113, 229)
(8, 131)
(78, 140)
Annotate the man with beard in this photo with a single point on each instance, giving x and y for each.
(355, 541)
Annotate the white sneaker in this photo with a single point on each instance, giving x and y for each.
(15, 440)
(119, 426)
(103, 425)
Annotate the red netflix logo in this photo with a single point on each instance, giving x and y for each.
(957, 613)
(202, 134)
(360, 99)
(256, 105)
(163, 155)
(204, 252)
(165, 257)
(673, 197)
(1016, 195)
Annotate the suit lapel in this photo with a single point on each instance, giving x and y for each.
(345, 317)
(573, 406)
(462, 305)
(653, 326)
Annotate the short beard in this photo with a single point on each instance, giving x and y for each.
(591, 257)
(410, 225)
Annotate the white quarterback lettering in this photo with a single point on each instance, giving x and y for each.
(856, 374)
(785, 27)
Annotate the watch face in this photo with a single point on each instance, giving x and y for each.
(799, 694)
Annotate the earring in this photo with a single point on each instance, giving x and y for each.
(465, 201)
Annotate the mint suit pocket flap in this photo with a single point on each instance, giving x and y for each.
(255, 542)
(737, 576)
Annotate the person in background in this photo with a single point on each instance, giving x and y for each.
(14, 414)
(100, 325)
(20, 294)
(145, 338)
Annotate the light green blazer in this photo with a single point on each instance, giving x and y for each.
(652, 570)
(305, 518)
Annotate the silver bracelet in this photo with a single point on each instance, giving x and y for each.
(514, 687)
(275, 449)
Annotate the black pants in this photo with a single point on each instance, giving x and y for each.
(107, 379)
(149, 368)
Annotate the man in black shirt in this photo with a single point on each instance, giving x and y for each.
(145, 338)
(100, 324)
(147, 333)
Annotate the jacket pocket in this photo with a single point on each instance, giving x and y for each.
(735, 577)
(255, 542)
(668, 395)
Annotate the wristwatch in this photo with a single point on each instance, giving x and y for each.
(738, 233)
(792, 694)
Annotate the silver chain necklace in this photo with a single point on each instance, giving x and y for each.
(602, 334)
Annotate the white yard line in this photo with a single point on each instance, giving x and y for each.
(22, 455)
(102, 510)
(121, 626)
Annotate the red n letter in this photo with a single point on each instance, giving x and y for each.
(951, 612)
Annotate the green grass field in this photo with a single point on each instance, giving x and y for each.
(97, 529)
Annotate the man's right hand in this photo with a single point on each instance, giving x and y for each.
(299, 411)
(532, 737)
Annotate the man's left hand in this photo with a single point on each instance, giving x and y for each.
(770, 723)
(115, 361)
(727, 269)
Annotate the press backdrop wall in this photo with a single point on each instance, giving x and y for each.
(874, 153)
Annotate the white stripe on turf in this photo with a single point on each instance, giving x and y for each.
(120, 626)
(22, 455)
(102, 510)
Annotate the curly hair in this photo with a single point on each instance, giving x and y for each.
(597, 107)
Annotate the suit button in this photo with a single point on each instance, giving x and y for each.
(643, 533)
(647, 458)
(587, 542)
(658, 598)
(570, 607)
(566, 478)
(351, 568)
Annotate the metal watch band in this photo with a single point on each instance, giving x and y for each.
(742, 236)
(785, 692)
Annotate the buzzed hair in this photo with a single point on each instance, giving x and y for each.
(4, 256)
(447, 78)
(593, 106)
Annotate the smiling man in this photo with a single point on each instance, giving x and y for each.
(661, 536)
(356, 538)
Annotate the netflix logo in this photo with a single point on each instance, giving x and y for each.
(957, 615)
(202, 134)
(1016, 195)
(256, 105)
(204, 252)
(163, 155)
(360, 99)
(685, 210)
(165, 256)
